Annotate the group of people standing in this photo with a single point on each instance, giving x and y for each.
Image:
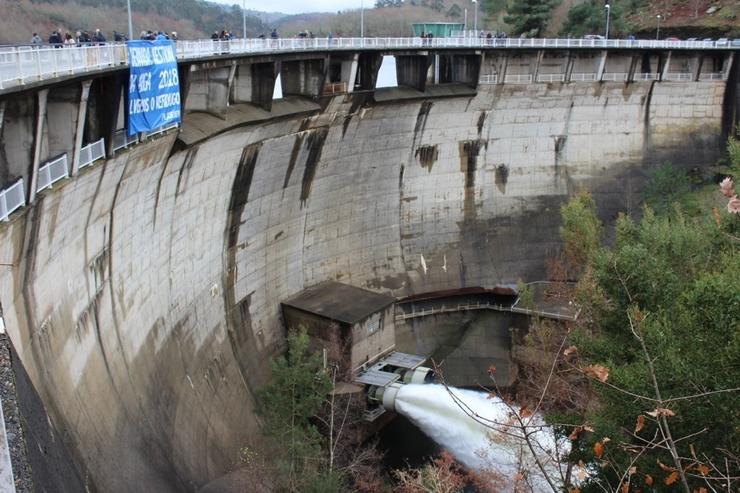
(151, 35)
(58, 40)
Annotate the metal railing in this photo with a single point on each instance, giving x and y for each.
(23, 64)
(335, 88)
(614, 77)
(589, 77)
(52, 172)
(91, 153)
(121, 139)
(713, 76)
(162, 130)
(11, 199)
(678, 76)
(459, 307)
(645, 76)
(518, 79)
(488, 79)
(550, 77)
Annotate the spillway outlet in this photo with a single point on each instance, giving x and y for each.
(383, 379)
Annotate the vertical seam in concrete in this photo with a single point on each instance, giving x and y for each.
(42, 97)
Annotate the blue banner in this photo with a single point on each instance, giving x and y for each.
(154, 85)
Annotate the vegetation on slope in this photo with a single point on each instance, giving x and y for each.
(191, 19)
(647, 378)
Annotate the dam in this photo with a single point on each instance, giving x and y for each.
(142, 277)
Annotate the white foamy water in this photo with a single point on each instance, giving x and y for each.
(486, 441)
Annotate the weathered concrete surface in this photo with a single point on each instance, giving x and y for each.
(144, 294)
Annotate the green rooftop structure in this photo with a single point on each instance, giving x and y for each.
(438, 29)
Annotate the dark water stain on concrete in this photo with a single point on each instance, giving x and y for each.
(345, 124)
(481, 121)
(293, 156)
(400, 178)
(388, 282)
(646, 124)
(421, 118)
(501, 177)
(427, 156)
(240, 191)
(187, 164)
(315, 146)
(469, 150)
(305, 124)
(239, 331)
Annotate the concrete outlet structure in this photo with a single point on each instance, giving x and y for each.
(142, 293)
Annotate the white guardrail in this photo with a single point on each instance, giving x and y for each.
(25, 64)
(121, 139)
(52, 172)
(91, 153)
(12, 198)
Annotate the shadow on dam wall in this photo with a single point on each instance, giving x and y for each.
(143, 300)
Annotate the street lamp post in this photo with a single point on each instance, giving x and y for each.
(465, 23)
(362, 19)
(130, 23)
(657, 35)
(608, 14)
(475, 22)
(244, 19)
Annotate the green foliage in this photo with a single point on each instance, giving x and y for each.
(530, 17)
(733, 151)
(288, 405)
(590, 18)
(674, 282)
(581, 229)
(669, 186)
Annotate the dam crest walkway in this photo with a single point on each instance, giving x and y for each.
(21, 65)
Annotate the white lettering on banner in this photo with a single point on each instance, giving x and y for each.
(166, 100)
(140, 57)
(154, 86)
(163, 54)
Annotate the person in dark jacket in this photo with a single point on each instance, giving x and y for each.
(98, 37)
(55, 39)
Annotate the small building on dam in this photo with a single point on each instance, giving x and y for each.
(148, 279)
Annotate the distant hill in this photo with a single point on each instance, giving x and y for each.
(191, 19)
(198, 18)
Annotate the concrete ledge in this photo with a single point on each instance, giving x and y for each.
(199, 126)
(385, 94)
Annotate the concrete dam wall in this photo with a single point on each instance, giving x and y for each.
(143, 296)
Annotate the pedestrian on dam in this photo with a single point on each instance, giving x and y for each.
(36, 39)
(69, 41)
(55, 40)
(98, 37)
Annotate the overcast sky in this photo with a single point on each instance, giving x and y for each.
(299, 6)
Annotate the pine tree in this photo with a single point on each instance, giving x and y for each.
(530, 17)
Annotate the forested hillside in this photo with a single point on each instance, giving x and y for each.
(190, 18)
(198, 18)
